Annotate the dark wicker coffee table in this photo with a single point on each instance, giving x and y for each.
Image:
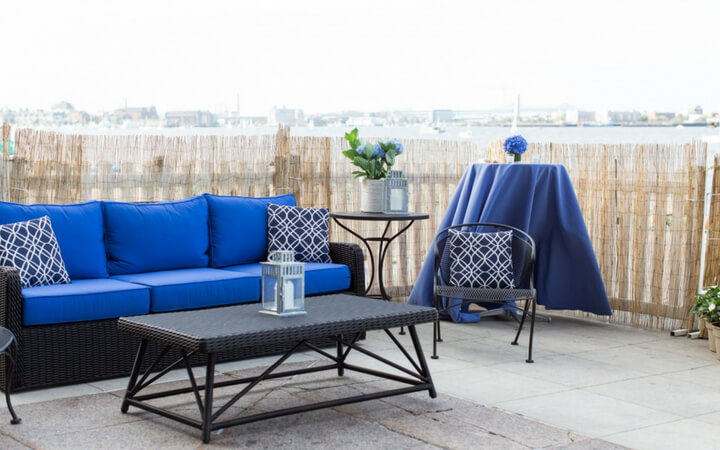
(344, 318)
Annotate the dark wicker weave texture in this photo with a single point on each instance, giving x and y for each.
(52, 355)
(220, 329)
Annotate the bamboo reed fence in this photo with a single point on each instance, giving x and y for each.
(712, 254)
(639, 201)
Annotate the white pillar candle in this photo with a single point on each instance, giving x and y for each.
(289, 294)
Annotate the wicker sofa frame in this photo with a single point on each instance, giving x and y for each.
(78, 352)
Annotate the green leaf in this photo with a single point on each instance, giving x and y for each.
(359, 173)
(390, 157)
(362, 163)
(368, 150)
(351, 154)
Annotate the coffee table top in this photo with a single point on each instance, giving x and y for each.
(217, 329)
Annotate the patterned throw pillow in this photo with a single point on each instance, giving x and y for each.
(481, 260)
(303, 230)
(32, 249)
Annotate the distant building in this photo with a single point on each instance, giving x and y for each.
(442, 115)
(63, 106)
(137, 113)
(578, 116)
(656, 115)
(189, 119)
(286, 116)
(607, 116)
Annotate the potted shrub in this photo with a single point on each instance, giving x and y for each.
(707, 307)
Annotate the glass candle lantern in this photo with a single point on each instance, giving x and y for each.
(396, 192)
(283, 285)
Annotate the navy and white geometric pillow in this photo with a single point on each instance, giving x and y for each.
(302, 230)
(481, 260)
(31, 248)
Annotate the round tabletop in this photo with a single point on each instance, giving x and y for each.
(359, 215)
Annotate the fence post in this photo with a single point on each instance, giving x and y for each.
(5, 161)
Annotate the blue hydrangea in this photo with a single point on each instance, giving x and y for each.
(398, 146)
(378, 151)
(515, 144)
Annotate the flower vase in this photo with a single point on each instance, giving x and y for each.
(513, 157)
(711, 331)
(716, 338)
(372, 195)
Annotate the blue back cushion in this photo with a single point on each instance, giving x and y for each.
(78, 229)
(146, 237)
(238, 228)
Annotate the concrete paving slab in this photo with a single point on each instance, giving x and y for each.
(587, 413)
(652, 362)
(686, 433)
(663, 394)
(576, 372)
(488, 385)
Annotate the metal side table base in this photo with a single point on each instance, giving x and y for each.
(383, 242)
(7, 342)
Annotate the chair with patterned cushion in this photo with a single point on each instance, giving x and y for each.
(484, 263)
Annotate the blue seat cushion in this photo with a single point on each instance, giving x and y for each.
(320, 278)
(84, 300)
(148, 237)
(238, 228)
(173, 290)
(78, 229)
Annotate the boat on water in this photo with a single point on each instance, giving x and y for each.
(428, 129)
(465, 134)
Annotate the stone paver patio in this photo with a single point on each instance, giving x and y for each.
(593, 385)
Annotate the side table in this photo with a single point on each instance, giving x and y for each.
(385, 239)
(7, 340)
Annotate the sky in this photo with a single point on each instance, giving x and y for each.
(370, 55)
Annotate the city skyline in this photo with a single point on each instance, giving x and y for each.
(326, 56)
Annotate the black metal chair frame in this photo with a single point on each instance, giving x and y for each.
(523, 268)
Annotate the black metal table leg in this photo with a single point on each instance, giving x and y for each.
(422, 361)
(340, 357)
(207, 409)
(130, 391)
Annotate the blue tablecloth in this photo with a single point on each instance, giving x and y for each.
(539, 199)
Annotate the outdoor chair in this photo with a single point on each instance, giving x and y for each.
(471, 265)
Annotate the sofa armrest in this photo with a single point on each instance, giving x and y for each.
(10, 299)
(352, 256)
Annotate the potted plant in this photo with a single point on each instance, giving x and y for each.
(707, 307)
(374, 162)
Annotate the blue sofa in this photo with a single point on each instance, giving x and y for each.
(143, 258)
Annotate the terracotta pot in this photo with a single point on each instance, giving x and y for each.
(711, 330)
(716, 337)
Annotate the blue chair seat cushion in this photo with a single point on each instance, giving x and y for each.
(174, 290)
(320, 278)
(83, 300)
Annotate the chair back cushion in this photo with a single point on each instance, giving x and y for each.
(147, 237)
(31, 248)
(302, 230)
(481, 260)
(238, 228)
(78, 229)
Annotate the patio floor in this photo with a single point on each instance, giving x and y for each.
(631, 387)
